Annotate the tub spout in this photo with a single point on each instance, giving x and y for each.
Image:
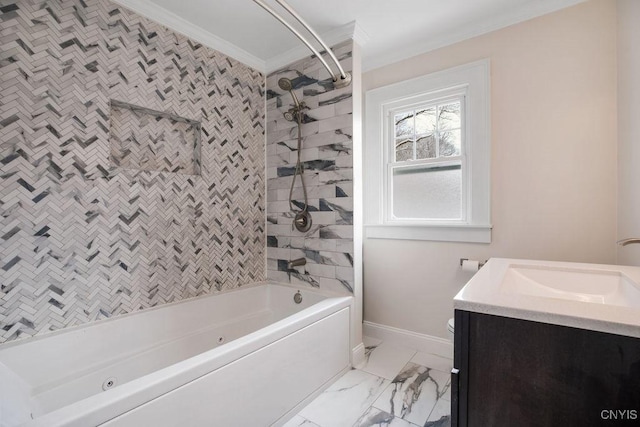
(296, 263)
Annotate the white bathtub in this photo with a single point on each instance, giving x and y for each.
(250, 356)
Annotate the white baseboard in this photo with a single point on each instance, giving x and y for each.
(357, 355)
(414, 340)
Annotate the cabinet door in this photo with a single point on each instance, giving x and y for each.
(523, 373)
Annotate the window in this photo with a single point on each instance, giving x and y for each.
(427, 148)
(425, 168)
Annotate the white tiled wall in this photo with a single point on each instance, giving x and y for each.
(327, 154)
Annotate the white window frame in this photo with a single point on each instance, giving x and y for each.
(472, 83)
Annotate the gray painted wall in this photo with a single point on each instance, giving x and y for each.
(628, 129)
(553, 181)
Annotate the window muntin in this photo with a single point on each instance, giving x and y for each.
(429, 132)
(425, 172)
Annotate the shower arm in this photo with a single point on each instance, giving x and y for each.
(342, 80)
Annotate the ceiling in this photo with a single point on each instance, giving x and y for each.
(388, 30)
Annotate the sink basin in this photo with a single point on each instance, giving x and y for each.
(590, 286)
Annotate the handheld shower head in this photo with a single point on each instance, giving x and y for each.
(285, 84)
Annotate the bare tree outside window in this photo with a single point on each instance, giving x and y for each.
(428, 133)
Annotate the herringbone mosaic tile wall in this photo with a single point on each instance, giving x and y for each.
(82, 239)
(327, 156)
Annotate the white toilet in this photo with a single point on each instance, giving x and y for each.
(450, 328)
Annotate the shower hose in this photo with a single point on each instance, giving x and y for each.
(299, 171)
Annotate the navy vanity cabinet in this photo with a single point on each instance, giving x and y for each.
(513, 372)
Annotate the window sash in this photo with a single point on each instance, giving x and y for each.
(390, 218)
(440, 161)
(459, 96)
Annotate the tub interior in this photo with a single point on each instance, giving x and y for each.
(65, 367)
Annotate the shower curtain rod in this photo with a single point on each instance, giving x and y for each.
(339, 81)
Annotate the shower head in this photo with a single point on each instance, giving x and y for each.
(285, 84)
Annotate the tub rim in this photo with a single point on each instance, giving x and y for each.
(79, 327)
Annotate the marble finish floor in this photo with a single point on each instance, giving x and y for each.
(395, 387)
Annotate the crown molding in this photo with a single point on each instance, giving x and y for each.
(360, 36)
(497, 22)
(174, 22)
(350, 31)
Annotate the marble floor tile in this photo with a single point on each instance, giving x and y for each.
(433, 361)
(374, 417)
(298, 421)
(346, 400)
(441, 414)
(413, 393)
(371, 342)
(386, 359)
(447, 391)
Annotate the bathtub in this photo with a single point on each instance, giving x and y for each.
(250, 356)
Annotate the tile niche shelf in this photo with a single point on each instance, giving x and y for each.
(150, 140)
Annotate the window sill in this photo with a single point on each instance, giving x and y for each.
(437, 233)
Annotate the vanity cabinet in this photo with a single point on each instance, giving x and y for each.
(513, 372)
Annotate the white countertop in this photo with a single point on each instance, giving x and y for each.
(485, 293)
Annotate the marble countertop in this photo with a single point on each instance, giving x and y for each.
(485, 293)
